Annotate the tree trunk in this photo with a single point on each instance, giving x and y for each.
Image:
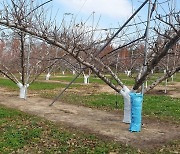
(23, 90)
(127, 104)
(48, 76)
(86, 79)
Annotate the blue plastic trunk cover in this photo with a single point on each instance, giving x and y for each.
(136, 109)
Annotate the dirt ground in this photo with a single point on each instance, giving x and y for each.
(107, 124)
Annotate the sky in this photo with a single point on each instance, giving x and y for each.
(111, 9)
(107, 13)
(110, 12)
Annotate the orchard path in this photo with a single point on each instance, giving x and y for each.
(107, 124)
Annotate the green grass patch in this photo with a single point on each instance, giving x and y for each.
(127, 81)
(45, 86)
(36, 85)
(177, 77)
(23, 133)
(160, 106)
(8, 84)
(163, 107)
(101, 101)
(78, 80)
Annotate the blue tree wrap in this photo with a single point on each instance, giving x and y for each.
(136, 109)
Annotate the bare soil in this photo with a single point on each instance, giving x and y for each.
(107, 124)
(173, 90)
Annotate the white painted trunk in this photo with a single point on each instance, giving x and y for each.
(128, 73)
(86, 79)
(63, 72)
(127, 104)
(48, 76)
(172, 78)
(74, 72)
(146, 85)
(23, 90)
(166, 82)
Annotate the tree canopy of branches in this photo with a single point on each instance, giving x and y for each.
(84, 44)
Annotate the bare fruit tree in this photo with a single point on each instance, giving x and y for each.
(76, 39)
(23, 58)
(160, 33)
(35, 60)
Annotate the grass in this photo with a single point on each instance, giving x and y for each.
(35, 86)
(92, 79)
(78, 80)
(23, 133)
(126, 80)
(8, 83)
(160, 106)
(101, 101)
(163, 107)
(49, 85)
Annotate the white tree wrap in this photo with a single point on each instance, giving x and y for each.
(23, 90)
(48, 76)
(127, 72)
(86, 79)
(127, 104)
